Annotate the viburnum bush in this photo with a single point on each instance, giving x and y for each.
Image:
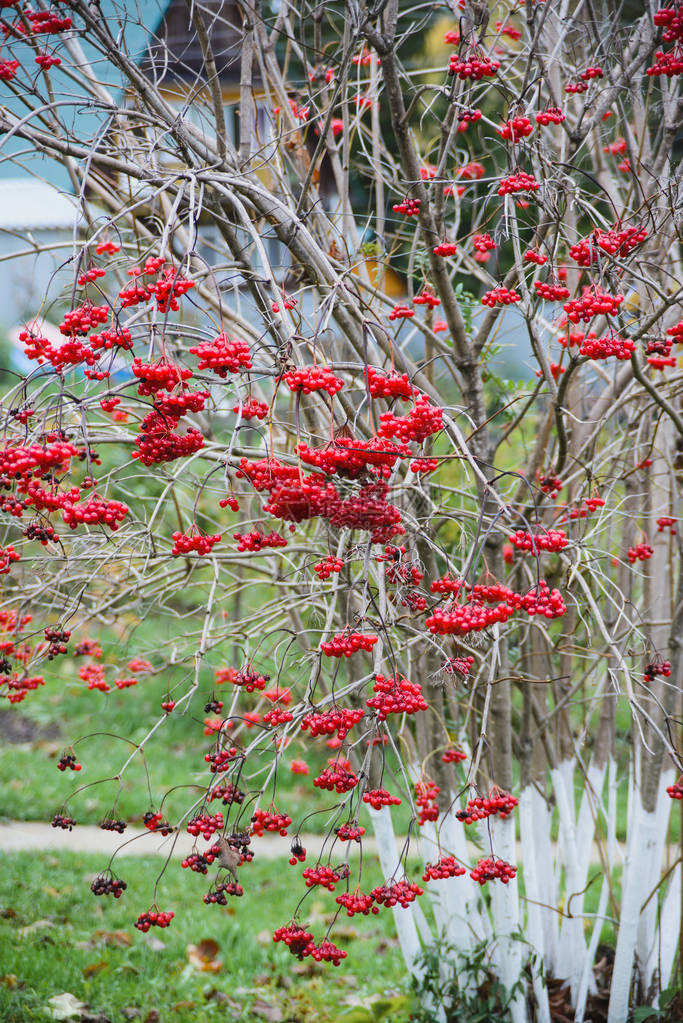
(269, 404)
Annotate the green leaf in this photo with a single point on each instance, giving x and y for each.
(644, 1012)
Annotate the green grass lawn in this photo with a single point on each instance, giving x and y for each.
(57, 937)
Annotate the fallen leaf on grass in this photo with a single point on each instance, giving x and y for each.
(214, 995)
(267, 1010)
(37, 925)
(93, 968)
(264, 938)
(203, 956)
(9, 980)
(65, 1006)
(56, 893)
(130, 1012)
(152, 1016)
(154, 943)
(118, 939)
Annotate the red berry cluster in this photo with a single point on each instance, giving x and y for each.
(83, 318)
(253, 409)
(445, 867)
(47, 21)
(95, 511)
(8, 556)
(483, 243)
(541, 600)
(216, 895)
(227, 793)
(57, 640)
(377, 798)
(221, 759)
(426, 792)
(590, 73)
(257, 541)
(357, 903)
(551, 115)
(277, 717)
(400, 893)
(187, 543)
(110, 824)
(328, 952)
(655, 669)
(458, 666)
(155, 822)
(158, 443)
(324, 569)
(158, 376)
(551, 292)
(60, 820)
(326, 877)
(396, 695)
(550, 484)
(298, 940)
(552, 540)
(313, 378)
(676, 790)
(427, 297)
(270, 820)
(640, 552)
(175, 406)
(198, 863)
(169, 286)
(298, 853)
(491, 870)
(519, 182)
(594, 302)
(424, 465)
(205, 824)
(475, 67)
(107, 884)
(68, 760)
(669, 64)
(408, 207)
(469, 116)
(453, 755)
(423, 420)
(336, 778)
(459, 619)
(36, 531)
(445, 249)
(666, 522)
(575, 87)
(153, 918)
(344, 644)
(498, 802)
(394, 386)
(93, 674)
(125, 683)
(8, 70)
(93, 274)
(500, 296)
(245, 678)
(672, 19)
(515, 129)
(349, 832)
(223, 355)
(340, 720)
(610, 346)
(350, 457)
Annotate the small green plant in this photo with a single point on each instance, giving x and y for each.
(473, 995)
